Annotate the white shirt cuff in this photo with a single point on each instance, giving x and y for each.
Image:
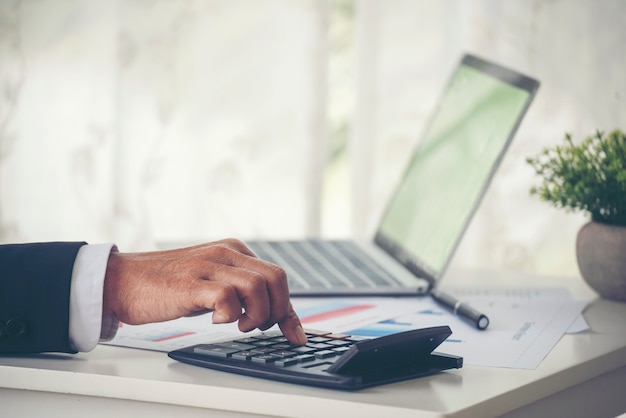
(86, 322)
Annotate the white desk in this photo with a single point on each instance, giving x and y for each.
(585, 375)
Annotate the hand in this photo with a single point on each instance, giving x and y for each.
(223, 277)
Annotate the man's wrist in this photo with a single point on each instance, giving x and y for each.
(86, 297)
(110, 286)
(109, 327)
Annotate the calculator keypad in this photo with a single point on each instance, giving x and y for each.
(273, 348)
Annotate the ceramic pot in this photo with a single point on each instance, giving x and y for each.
(601, 255)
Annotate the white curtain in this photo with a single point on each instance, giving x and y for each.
(143, 122)
(146, 121)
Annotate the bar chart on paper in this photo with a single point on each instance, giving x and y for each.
(170, 336)
(315, 313)
(165, 336)
(330, 311)
(343, 315)
(526, 324)
(427, 317)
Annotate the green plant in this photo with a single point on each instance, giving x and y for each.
(588, 177)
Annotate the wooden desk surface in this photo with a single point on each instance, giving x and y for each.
(122, 379)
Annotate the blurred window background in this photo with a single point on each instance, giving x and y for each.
(180, 121)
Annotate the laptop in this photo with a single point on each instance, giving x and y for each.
(424, 221)
(442, 186)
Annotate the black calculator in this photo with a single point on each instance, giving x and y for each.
(336, 361)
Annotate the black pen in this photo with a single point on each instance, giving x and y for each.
(479, 320)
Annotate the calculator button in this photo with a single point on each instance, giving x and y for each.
(282, 346)
(264, 358)
(339, 343)
(304, 358)
(356, 339)
(318, 339)
(243, 355)
(325, 354)
(247, 340)
(284, 353)
(320, 346)
(338, 336)
(263, 342)
(313, 332)
(236, 345)
(214, 350)
(303, 350)
(268, 335)
(262, 350)
(286, 362)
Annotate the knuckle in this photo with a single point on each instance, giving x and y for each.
(278, 273)
(223, 292)
(221, 251)
(255, 282)
(234, 242)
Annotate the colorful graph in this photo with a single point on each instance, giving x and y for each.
(168, 336)
(430, 312)
(329, 311)
(381, 329)
(394, 326)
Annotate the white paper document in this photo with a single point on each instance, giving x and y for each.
(327, 314)
(525, 324)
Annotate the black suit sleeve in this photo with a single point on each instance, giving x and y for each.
(35, 284)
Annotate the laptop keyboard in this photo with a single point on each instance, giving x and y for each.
(329, 360)
(317, 264)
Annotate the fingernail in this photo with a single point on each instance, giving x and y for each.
(301, 335)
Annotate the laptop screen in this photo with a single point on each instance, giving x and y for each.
(453, 164)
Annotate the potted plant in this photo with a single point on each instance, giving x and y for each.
(591, 177)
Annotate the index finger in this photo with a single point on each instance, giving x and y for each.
(292, 328)
(275, 280)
